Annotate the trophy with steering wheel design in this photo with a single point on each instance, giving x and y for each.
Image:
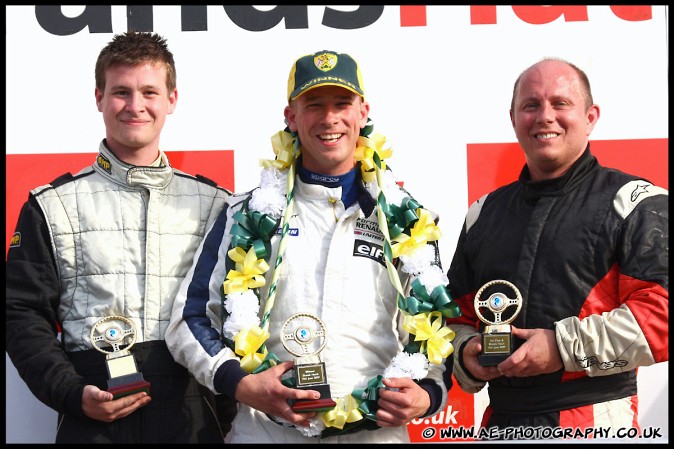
(497, 342)
(304, 336)
(116, 331)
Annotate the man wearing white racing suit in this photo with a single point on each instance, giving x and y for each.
(333, 267)
(102, 253)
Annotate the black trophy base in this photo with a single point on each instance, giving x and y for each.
(128, 384)
(496, 347)
(323, 404)
(491, 359)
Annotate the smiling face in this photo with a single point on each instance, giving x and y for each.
(328, 121)
(551, 118)
(135, 104)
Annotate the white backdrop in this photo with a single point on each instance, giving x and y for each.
(433, 89)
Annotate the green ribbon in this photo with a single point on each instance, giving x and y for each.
(288, 382)
(413, 346)
(368, 128)
(401, 217)
(253, 228)
(269, 361)
(422, 302)
(369, 397)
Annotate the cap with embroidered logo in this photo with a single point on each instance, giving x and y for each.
(324, 68)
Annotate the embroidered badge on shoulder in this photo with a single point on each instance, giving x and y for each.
(16, 240)
(633, 193)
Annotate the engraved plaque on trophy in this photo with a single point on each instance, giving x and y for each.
(124, 377)
(304, 336)
(497, 342)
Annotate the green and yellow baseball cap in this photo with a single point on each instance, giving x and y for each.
(324, 68)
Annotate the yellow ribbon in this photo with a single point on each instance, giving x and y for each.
(429, 329)
(423, 231)
(365, 150)
(346, 411)
(246, 343)
(282, 143)
(248, 273)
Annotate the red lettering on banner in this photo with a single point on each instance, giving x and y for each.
(413, 15)
(633, 13)
(541, 15)
(483, 15)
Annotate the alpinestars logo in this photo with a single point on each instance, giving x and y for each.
(641, 188)
(362, 248)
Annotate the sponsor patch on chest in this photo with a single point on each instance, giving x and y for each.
(368, 229)
(292, 232)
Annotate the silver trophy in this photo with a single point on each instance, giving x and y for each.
(304, 336)
(113, 332)
(497, 342)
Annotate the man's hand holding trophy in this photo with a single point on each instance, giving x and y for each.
(497, 312)
(115, 332)
(304, 336)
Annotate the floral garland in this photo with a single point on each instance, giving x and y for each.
(409, 231)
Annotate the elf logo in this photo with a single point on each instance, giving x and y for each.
(362, 248)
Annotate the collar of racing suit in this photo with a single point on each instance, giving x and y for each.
(534, 190)
(151, 177)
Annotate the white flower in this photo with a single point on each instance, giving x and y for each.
(270, 197)
(394, 194)
(408, 365)
(392, 191)
(431, 277)
(273, 179)
(419, 260)
(316, 426)
(243, 311)
(372, 188)
(395, 371)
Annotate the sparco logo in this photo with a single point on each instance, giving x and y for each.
(361, 248)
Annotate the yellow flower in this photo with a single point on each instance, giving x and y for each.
(282, 143)
(248, 273)
(246, 344)
(428, 328)
(423, 231)
(345, 411)
(365, 151)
